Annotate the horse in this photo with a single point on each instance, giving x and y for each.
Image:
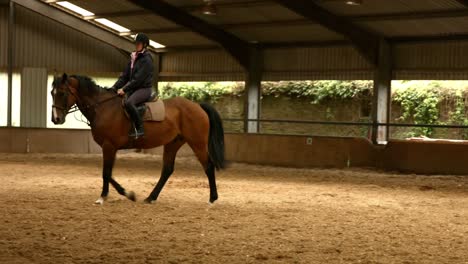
(198, 125)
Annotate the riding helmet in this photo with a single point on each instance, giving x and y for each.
(142, 38)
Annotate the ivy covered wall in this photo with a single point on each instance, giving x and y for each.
(418, 102)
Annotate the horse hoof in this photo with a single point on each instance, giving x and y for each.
(148, 201)
(100, 201)
(212, 200)
(131, 196)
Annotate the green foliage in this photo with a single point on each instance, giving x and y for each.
(319, 91)
(419, 104)
(200, 91)
(458, 115)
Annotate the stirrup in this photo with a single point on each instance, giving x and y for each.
(135, 133)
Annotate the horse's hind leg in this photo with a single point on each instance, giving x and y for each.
(201, 151)
(109, 153)
(169, 155)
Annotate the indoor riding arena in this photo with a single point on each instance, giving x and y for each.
(321, 131)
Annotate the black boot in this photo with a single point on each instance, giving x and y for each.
(137, 120)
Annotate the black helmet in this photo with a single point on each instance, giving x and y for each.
(142, 38)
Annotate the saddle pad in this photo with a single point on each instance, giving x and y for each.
(155, 111)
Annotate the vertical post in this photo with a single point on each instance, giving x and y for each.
(253, 90)
(157, 69)
(382, 93)
(11, 35)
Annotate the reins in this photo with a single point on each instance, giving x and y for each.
(76, 108)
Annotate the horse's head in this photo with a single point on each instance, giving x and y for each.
(63, 98)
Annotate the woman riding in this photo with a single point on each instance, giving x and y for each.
(136, 82)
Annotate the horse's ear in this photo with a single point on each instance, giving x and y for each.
(64, 77)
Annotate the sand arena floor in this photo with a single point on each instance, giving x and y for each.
(264, 214)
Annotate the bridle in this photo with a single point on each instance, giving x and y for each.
(78, 106)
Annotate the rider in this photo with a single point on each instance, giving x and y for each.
(136, 81)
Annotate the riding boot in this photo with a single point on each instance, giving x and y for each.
(137, 120)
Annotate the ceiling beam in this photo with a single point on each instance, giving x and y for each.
(119, 14)
(238, 48)
(76, 23)
(366, 42)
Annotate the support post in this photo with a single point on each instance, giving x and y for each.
(11, 28)
(382, 93)
(157, 70)
(253, 90)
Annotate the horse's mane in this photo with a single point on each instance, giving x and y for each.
(87, 84)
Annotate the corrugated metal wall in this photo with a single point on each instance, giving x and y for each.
(315, 63)
(446, 60)
(33, 97)
(42, 42)
(341, 62)
(3, 37)
(200, 65)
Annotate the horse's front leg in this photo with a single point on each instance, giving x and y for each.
(109, 152)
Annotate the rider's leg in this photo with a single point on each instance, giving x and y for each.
(138, 97)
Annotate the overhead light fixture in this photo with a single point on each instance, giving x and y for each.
(156, 45)
(354, 2)
(209, 8)
(75, 8)
(111, 25)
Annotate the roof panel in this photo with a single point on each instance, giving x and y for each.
(425, 27)
(257, 13)
(106, 6)
(148, 21)
(389, 6)
(180, 39)
(298, 33)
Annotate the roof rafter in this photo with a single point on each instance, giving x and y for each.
(238, 48)
(366, 42)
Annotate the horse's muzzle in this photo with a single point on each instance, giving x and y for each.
(58, 120)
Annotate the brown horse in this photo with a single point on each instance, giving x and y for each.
(199, 125)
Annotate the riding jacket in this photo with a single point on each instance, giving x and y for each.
(139, 76)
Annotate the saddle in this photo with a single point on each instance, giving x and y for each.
(152, 110)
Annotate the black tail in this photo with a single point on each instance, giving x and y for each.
(216, 137)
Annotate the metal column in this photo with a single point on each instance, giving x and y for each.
(253, 90)
(11, 46)
(157, 70)
(382, 94)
